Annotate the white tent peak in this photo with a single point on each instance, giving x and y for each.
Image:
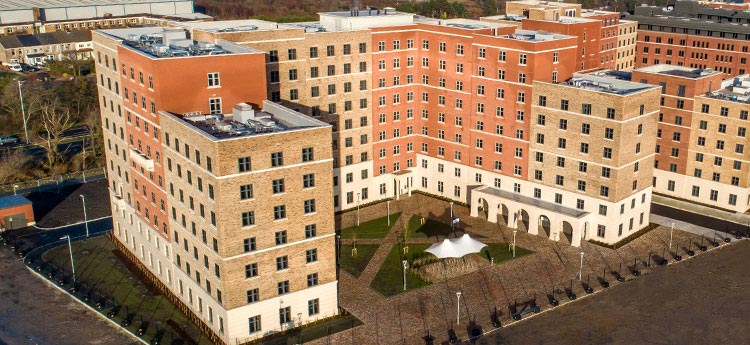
(456, 247)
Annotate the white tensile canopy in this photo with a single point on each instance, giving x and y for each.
(456, 247)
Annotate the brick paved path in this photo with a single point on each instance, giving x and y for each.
(554, 267)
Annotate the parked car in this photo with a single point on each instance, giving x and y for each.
(13, 66)
(8, 140)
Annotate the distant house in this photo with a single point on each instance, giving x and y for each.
(37, 49)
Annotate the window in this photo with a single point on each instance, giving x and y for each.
(313, 307)
(279, 212)
(243, 164)
(307, 154)
(253, 296)
(309, 206)
(278, 186)
(285, 314)
(282, 262)
(254, 324)
(246, 192)
(248, 245)
(277, 159)
(311, 255)
(521, 59)
(213, 79)
(248, 218)
(214, 105)
(251, 270)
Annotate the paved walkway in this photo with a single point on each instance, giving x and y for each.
(685, 226)
(552, 270)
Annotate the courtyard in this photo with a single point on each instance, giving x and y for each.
(545, 273)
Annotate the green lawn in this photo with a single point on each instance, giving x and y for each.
(99, 268)
(500, 252)
(357, 263)
(389, 279)
(376, 228)
(430, 229)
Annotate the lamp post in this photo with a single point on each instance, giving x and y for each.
(85, 217)
(388, 206)
(580, 269)
(406, 264)
(458, 307)
(15, 187)
(451, 215)
(23, 111)
(357, 209)
(70, 248)
(670, 237)
(514, 242)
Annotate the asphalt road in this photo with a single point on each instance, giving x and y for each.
(74, 138)
(699, 219)
(33, 313)
(700, 301)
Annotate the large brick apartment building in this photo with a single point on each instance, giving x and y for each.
(226, 211)
(693, 35)
(532, 119)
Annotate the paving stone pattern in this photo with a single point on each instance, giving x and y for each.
(408, 317)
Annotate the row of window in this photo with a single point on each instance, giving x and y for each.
(285, 315)
(314, 52)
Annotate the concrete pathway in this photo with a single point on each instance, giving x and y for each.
(685, 226)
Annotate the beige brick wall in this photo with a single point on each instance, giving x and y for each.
(625, 129)
(228, 208)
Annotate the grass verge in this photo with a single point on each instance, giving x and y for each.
(389, 279)
(355, 264)
(376, 228)
(500, 252)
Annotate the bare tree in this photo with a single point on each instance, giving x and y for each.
(13, 167)
(52, 120)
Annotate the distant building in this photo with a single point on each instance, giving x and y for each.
(37, 49)
(604, 40)
(15, 212)
(693, 35)
(40, 16)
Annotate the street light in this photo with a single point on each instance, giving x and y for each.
(85, 217)
(23, 111)
(670, 237)
(15, 187)
(70, 248)
(451, 215)
(580, 270)
(514, 242)
(458, 307)
(357, 209)
(388, 206)
(406, 264)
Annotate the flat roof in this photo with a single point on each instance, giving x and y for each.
(248, 122)
(678, 71)
(374, 12)
(735, 89)
(27, 4)
(543, 3)
(158, 42)
(461, 23)
(535, 36)
(13, 200)
(560, 209)
(241, 25)
(606, 84)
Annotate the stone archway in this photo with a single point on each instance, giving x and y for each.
(567, 231)
(502, 214)
(482, 207)
(545, 225)
(523, 220)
